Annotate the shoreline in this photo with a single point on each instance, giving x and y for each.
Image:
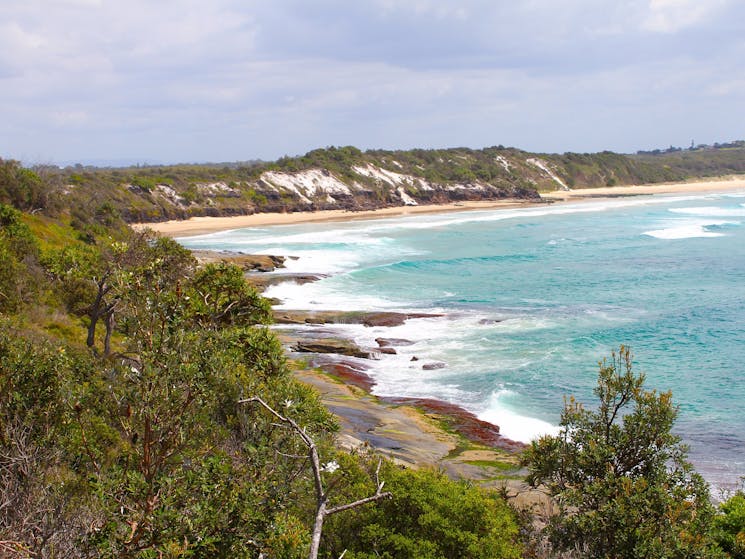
(418, 434)
(353, 427)
(204, 225)
(721, 184)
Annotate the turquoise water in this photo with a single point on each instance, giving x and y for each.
(531, 300)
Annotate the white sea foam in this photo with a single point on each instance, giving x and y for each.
(512, 425)
(689, 230)
(432, 221)
(372, 233)
(711, 211)
(319, 296)
(320, 261)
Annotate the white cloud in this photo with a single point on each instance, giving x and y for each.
(439, 9)
(180, 80)
(671, 16)
(70, 118)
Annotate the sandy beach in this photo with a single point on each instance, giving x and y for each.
(715, 185)
(202, 225)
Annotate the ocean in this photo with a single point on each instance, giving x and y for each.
(533, 298)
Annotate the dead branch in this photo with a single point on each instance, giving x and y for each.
(321, 495)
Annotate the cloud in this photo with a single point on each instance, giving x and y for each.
(672, 16)
(179, 80)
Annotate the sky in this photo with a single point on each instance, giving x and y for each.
(169, 81)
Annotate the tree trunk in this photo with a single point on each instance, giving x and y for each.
(109, 330)
(91, 340)
(315, 540)
(95, 312)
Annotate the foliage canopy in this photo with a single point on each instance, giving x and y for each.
(620, 477)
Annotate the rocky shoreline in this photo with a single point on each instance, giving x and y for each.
(344, 360)
(417, 432)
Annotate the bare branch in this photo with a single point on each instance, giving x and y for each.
(360, 502)
(321, 495)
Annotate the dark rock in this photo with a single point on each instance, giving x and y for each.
(285, 319)
(349, 372)
(388, 342)
(387, 350)
(249, 262)
(261, 281)
(433, 366)
(392, 318)
(332, 345)
(415, 358)
(350, 317)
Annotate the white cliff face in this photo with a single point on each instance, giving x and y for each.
(545, 168)
(170, 194)
(405, 198)
(392, 178)
(506, 165)
(217, 189)
(307, 184)
(321, 188)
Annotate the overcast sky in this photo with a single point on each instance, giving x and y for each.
(224, 80)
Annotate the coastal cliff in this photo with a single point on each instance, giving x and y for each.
(346, 178)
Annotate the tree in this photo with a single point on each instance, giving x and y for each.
(43, 506)
(220, 296)
(619, 476)
(321, 492)
(192, 472)
(729, 526)
(21, 187)
(429, 516)
(93, 278)
(18, 256)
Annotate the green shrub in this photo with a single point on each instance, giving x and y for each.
(429, 517)
(620, 477)
(729, 526)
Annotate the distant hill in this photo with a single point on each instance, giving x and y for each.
(345, 177)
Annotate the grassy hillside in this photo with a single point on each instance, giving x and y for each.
(342, 177)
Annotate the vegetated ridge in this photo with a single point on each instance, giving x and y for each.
(347, 178)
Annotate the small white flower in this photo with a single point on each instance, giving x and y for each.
(288, 403)
(330, 467)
